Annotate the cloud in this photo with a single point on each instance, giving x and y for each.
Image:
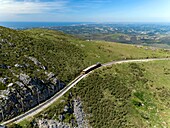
(30, 6)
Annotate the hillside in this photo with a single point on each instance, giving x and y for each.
(134, 95)
(37, 63)
(61, 53)
(100, 51)
(128, 95)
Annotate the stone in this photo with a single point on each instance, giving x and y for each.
(50, 75)
(3, 80)
(44, 123)
(24, 78)
(10, 85)
(66, 108)
(19, 83)
(19, 66)
(79, 114)
(36, 62)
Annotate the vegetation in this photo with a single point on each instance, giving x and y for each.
(28, 123)
(103, 52)
(14, 126)
(57, 109)
(125, 95)
(62, 54)
(57, 55)
(24, 124)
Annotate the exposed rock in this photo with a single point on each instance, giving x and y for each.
(28, 93)
(61, 117)
(3, 126)
(24, 90)
(44, 67)
(10, 85)
(79, 114)
(55, 81)
(3, 80)
(24, 78)
(43, 123)
(50, 75)
(19, 83)
(36, 62)
(66, 108)
(19, 65)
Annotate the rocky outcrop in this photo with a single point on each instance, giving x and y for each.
(79, 120)
(79, 114)
(25, 92)
(44, 123)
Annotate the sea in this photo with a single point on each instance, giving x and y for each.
(24, 25)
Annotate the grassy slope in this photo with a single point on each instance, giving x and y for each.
(100, 51)
(128, 95)
(69, 56)
(62, 54)
(52, 49)
(125, 95)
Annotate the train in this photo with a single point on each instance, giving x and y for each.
(95, 66)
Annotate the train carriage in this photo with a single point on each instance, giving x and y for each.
(87, 70)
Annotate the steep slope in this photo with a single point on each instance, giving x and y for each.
(128, 95)
(35, 64)
(125, 95)
(34, 68)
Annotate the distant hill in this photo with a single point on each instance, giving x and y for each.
(36, 63)
(155, 35)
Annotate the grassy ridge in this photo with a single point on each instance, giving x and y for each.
(62, 54)
(100, 51)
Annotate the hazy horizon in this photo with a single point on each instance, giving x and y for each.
(99, 11)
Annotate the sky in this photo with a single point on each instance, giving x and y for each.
(85, 10)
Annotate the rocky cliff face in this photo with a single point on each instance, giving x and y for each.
(25, 91)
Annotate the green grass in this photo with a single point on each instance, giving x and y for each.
(126, 95)
(116, 36)
(27, 123)
(53, 51)
(62, 54)
(100, 51)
